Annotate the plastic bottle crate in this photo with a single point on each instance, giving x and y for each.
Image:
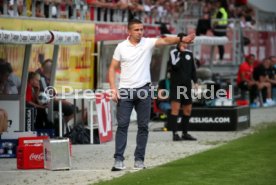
(8, 148)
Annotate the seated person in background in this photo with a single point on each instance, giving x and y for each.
(4, 75)
(15, 80)
(272, 71)
(32, 92)
(9, 83)
(245, 80)
(261, 75)
(3, 121)
(45, 73)
(272, 75)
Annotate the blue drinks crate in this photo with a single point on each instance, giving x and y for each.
(8, 148)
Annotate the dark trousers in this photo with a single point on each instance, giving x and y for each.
(130, 99)
(253, 91)
(221, 51)
(41, 118)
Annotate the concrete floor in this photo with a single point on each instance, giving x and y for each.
(92, 163)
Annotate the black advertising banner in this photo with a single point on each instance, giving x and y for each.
(220, 118)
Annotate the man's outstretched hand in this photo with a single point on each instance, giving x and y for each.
(189, 38)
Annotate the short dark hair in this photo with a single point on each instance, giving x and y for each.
(133, 21)
(9, 67)
(5, 66)
(32, 75)
(4, 69)
(2, 61)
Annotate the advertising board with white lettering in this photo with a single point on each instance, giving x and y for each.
(104, 117)
(219, 118)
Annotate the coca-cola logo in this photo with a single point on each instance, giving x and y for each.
(36, 157)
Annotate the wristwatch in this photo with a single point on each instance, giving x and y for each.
(180, 37)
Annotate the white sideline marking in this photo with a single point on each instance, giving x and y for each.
(42, 170)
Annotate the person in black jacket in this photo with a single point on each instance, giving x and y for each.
(261, 74)
(183, 71)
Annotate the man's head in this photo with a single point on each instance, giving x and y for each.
(5, 63)
(135, 29)
(273, 60)
(216, 3)
(5, 70)
(4, 74)
(132, 22)
(266, 63)
(2, 61)
(250, 58)
(33, 79)
(47, 66)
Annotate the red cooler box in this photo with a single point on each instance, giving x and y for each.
(30, 152)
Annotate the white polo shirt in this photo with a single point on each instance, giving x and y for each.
(135, 62)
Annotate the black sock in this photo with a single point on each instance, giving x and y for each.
(185, 122)
(172, 123)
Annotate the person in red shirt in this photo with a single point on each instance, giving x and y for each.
(33, 89)
(45, 78)
(32, 92)
(245, 80)
(246, 70)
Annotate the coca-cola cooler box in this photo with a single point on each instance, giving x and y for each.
(30, 152)
(57, 154)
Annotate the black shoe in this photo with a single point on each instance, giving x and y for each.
(176, 137)
(188, 137)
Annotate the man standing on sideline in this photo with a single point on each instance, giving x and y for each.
(133, 56)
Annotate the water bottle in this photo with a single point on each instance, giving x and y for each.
(10, 147)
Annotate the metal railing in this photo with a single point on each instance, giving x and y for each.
(228, 66)
(81, 10)
(76, 9)
(265, 21)
(49, 9)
